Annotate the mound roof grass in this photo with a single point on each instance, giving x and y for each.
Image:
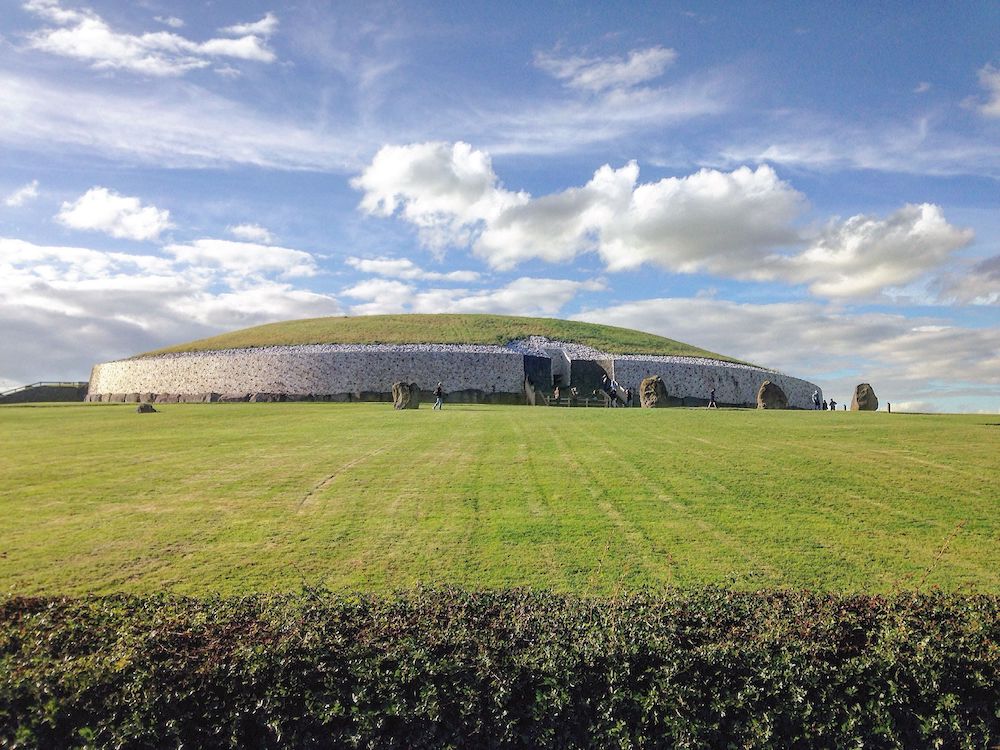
(442, 329)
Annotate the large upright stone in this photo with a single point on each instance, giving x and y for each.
(405, 395)
(652, 393)
(864, 398)
(770, 396)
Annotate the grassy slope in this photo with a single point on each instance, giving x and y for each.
(442, 329)
(231, 498)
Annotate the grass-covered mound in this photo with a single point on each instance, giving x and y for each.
(436, 669)
(441, 329)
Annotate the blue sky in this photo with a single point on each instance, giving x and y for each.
(809, 187)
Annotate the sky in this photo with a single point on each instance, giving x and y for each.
(811, 187)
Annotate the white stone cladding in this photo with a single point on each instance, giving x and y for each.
(302, 370)
(356, 369)
(733, 383)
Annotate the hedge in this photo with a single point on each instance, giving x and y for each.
(450, 668)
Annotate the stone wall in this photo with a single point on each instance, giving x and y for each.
(305, 370)
(735, 385)
(469, 373)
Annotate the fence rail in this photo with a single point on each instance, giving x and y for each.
(43, 384)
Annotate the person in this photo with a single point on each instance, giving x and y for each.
(555, 395)
(628, 397)
(833, 405)
(606, 387)
(816, 399)
(439, 396)
(711, 400)
(824, 406)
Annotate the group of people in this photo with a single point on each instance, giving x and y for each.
(821, 404)
(617, 396)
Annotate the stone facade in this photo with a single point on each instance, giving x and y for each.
(366, 373)
(691, 381)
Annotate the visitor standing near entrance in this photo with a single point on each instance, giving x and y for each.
(816, 400)
(608, 390)
(833, 404)
(439, 396)
(711, 400)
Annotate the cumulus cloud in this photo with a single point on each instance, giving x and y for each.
(84, 35)
(22, 195)
(244, 258)
(926, 359)
(865, 254)
(445, 190)
(404, 268)
(67, 308)
(103, 210)
(252, 233)
(739, 224)
(523, 296)
(989, 79)
(601, 73)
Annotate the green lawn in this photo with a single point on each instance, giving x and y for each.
(233, 498)
(442, 329)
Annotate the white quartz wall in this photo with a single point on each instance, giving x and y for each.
(733, 383)
(300, 371)
(337, 369)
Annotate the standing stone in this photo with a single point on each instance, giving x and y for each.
(864, 398)
(652, 393)
(145, 408)
(770, 396)
(405, 395)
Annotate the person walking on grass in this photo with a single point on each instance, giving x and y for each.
(711, 400)
(439, 396)
(833, 405)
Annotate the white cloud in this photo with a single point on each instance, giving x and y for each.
(239, 259)
(84, 35)
(989, 79)
(103, 210)
(865, 254)
(445, 190)
(738, 224)
(714, 220)
(404, 268)
(67, 308)
(22, 195)
(922, 88)
(523, 296)
(172, 21)
(252, 233)
(601, 73)
(265, 27)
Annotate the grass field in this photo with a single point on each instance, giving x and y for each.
(442, 329)
(260, 497)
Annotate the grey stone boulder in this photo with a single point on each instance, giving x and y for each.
(770, 396)
(652, 393)
(405, 395)
(145, 408)
(864, 398)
